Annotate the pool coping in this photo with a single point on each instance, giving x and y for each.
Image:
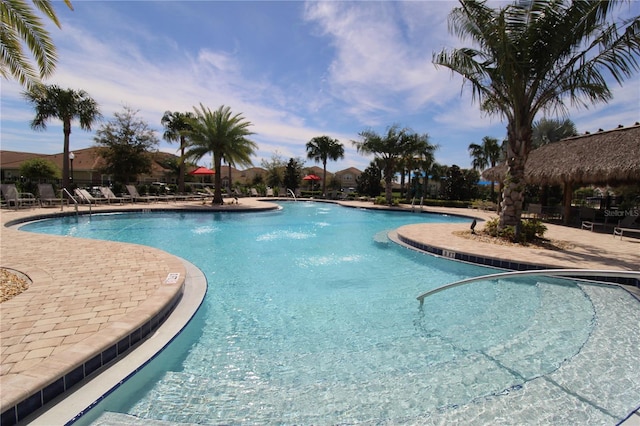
(254, 206)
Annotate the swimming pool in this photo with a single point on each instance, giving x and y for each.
(311, 318)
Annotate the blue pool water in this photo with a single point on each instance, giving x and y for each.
(310, 317)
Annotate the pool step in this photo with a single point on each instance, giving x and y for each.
(119, 419)
(533, 340)
(262, 399)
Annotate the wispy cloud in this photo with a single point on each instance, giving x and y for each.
(295, 70)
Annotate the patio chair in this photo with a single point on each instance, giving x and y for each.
(87, 198)
(131, 189)
(588, 218)
(47, 196)
(254, 192)
(110, 196)
(269, 192)
(207, 192)
(12, 197)
(629, 225)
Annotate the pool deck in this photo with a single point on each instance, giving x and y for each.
(87, 296)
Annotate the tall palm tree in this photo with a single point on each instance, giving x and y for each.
(22, 27)
(419, 151)
(426, 159)
(485, 155)
(531, 55)
(322, 149)
(66, 105)
(389, 149)
(224, 136)
(176, 126)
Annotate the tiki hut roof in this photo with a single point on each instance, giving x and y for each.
(606, 157)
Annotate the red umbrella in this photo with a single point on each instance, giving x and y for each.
(312, 178)
(202, 171)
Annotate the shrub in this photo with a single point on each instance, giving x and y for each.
(529, 230)
(380, 199)
(447, 203)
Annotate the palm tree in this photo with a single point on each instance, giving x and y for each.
(321, 149)
(532, 55)
(426, 159)
(547, 130)
(22, 27)
(222, 134)
(66, 105)
(389, 149)
(176, 125)
(485, 155)
(419, 153)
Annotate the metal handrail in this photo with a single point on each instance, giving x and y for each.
(549, 272)
(75, 202)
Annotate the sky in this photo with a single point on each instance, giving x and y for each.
(294, 69)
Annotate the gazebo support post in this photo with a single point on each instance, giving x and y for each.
(567, 197)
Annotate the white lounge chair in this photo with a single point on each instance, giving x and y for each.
(588, 218)
(11, 196)
(47, 196)
(133, 192)
(111, 197)
(628, 225)
(87, 198)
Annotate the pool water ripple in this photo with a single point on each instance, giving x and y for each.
(311, 321)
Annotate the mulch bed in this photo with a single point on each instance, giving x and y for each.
(12, 283)
(538, 243)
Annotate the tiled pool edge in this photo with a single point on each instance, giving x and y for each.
(498, 263)
(76, 407)
(24, 409)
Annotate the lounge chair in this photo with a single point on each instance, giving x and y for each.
(87, 198)
(12, 197)
(208, 191)
(111, 197)
(588, 218)
(47, 196)
(269, 192)
(254, 192)
(137, 197)
(628, 225)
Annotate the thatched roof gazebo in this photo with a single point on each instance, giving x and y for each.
(606, 157)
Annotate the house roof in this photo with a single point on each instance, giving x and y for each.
(606, 157)
(351, 170)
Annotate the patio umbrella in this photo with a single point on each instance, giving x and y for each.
(202, 171)
(311, 178)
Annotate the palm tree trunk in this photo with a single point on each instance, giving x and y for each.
(65, 156)
(324, 178)
(182, 166)
(388, 194)
(217, 180)
(514, 186)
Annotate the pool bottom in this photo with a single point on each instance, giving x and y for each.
(570, 394)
